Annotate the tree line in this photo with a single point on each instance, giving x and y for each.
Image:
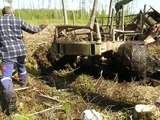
(81, 14)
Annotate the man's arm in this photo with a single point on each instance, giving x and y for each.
(29, 28)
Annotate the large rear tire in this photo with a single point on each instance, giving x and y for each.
(131, 60)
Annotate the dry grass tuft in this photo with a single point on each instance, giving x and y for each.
(106, 93)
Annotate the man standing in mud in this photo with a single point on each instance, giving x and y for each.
(12, 52)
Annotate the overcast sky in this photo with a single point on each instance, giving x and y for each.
(74, 4)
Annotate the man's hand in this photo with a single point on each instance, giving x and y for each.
(43, 26)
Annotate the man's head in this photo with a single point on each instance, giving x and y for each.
(7, 10)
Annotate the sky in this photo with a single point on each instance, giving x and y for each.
(75, 4)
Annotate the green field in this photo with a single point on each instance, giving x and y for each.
(39, 16)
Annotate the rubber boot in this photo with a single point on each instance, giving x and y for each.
(9, 96)
(22, 78)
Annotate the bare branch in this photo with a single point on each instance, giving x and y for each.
(47, 110)
(21, 89)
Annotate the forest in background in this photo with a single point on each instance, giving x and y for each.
(54, 16)
(53, 13)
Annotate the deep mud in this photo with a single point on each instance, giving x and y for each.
(133, 61)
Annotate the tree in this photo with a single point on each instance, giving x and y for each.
(64, 13)
(93, 14)
(49, 4)
(10, 2)
(82, 7)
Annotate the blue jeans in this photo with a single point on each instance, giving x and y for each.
(7, 70)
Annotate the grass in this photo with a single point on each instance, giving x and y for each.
(22, 117)
(116, 99)
(126, 92)
(67, 107)
(74, 104)
(55, 21)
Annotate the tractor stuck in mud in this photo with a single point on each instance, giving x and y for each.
(117, 48)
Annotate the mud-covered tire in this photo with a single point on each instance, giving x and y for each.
(131, 60)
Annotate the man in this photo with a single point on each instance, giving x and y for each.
(12, 52)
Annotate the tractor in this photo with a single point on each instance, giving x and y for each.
(118, 46)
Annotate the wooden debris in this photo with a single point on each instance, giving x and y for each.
(49, 97)
(47, 104)
(47, 110)
(21, 89)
